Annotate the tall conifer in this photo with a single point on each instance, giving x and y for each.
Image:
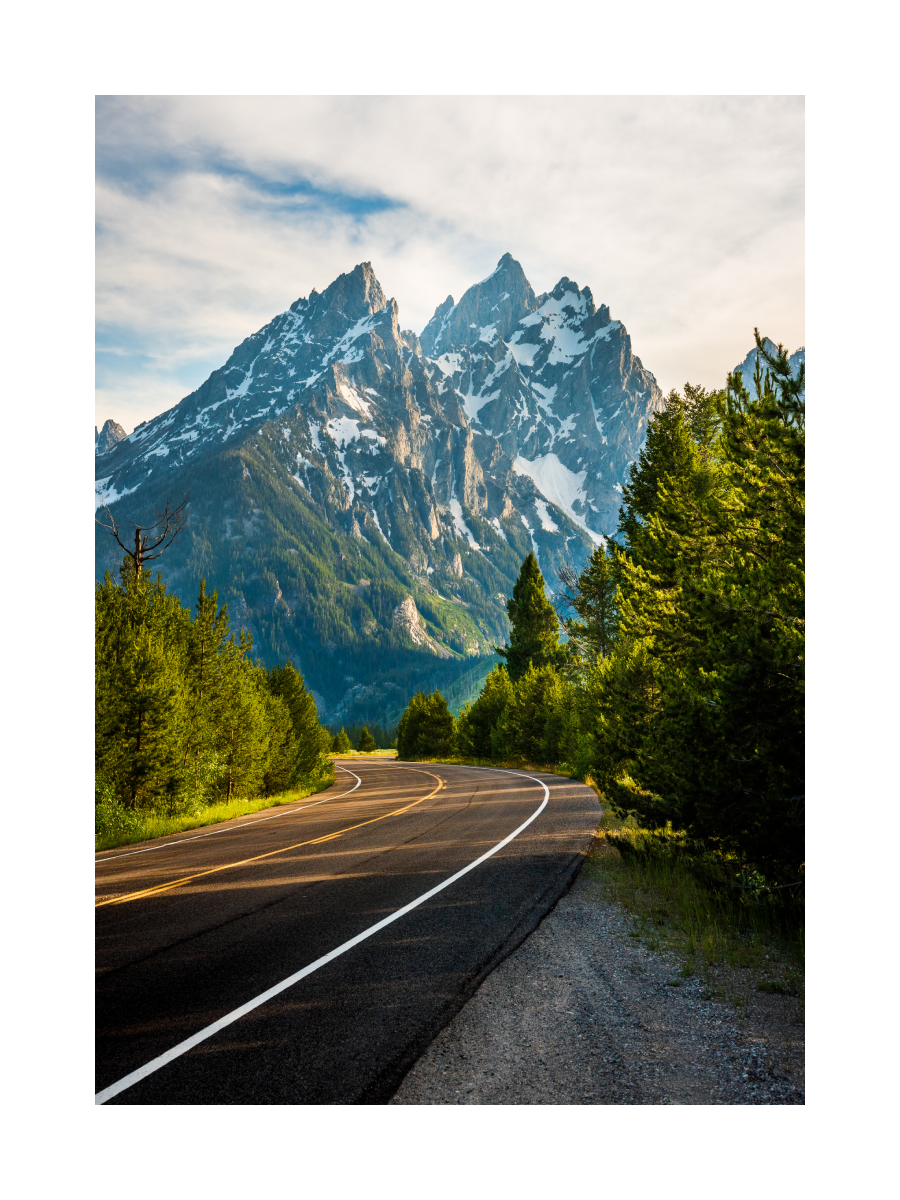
(534, 637)
(592, 597)
(313, 741)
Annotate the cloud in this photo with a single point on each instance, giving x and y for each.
(684, 214)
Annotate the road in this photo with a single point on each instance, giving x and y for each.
(224, 974)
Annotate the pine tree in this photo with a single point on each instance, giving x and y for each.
(534, 636)
(366, 742)
(678, 449)
(312, 741)
(182, 714)
(341, 743)
(476, 721)
(427, 729)
(206, 639)
(140, 698)
(698, 715)
(592, 597)
(244, 732)
(531, 725)
(281, 760)
(141, 723)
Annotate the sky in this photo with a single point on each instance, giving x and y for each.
(683, 214)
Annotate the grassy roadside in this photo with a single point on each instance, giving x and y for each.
(544, 768)
(734, 938)
(127, 827)
(362, 754)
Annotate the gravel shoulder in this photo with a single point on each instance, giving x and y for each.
(583, 1013)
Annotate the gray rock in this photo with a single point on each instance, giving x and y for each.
(109, 436)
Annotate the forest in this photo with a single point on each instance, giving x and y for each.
(670, 671)
(311, 593)
(184, 718)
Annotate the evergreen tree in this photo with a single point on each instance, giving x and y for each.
(592, 597)
(477, 721)
(427, 729)
(366, 742)
(243, 735)
(341, 743)
(698, 718)
(281, 759)
(534, 636)
(312, 741)
(142, 723)
(205, 665)
(531, 726)
(182, 714)
(679, 447)
(140, 702)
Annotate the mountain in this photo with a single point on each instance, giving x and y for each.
(748, 366)
(110, 435)
(362, 498)
(554, 380)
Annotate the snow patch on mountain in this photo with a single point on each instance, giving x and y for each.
(523, 352)
(561, 486)
(351, 396)
(343, 429)
(547, 522)
(461, 527)
(106, 494)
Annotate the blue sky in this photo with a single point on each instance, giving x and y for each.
(684, 214)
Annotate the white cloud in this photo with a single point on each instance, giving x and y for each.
(685, 215)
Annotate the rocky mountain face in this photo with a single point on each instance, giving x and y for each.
(110, 435)
(748, 366)
(363, 498)
(553, 379)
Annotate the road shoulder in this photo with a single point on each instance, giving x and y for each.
(583, 1013)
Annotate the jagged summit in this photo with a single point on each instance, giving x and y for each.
(748, 366)
(109, 436)
(496, 303)
(353, 296)
(554, 380)
(332, 444)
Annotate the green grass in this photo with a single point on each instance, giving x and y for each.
(332, 755)
(545, 768)
(776, 987)
(686, 903)
(141, 826)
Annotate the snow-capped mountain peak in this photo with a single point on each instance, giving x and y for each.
(553, 378)
(331, 443)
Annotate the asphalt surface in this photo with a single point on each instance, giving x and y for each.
(189, 931)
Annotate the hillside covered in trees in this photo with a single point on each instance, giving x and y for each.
(184, 717)
(680, 689)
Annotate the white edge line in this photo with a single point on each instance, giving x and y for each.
(149, 1068)
(230, 828)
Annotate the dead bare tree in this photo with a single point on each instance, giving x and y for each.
(150, 540)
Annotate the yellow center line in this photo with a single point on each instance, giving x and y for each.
(165, 887)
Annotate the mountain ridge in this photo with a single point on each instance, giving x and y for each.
(340, 473)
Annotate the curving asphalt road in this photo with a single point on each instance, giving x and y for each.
(224, 973)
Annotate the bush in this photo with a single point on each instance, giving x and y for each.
(477, 721)
(427, 728)
(539, 721)
(340, 743)
(111, 819)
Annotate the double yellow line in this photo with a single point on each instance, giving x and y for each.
(167, 887)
